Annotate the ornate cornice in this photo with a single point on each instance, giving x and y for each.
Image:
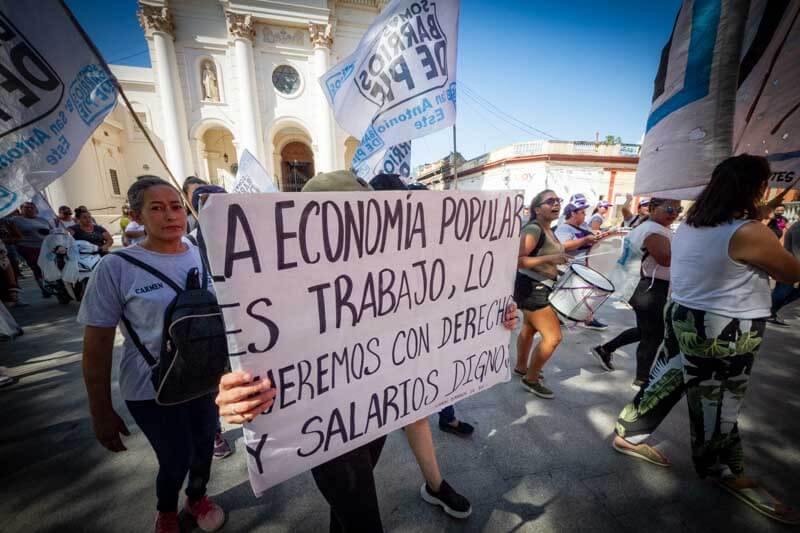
(155, 19)
(321, 34)
(241, 26)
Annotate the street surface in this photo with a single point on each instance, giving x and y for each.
(532, 464)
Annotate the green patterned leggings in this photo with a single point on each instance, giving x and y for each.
(709, 357)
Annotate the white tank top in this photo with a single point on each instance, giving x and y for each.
(704, 277)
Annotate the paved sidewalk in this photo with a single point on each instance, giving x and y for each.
(532, 465)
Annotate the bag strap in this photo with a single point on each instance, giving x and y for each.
(540, 241)
(138, 343)
(144, 266)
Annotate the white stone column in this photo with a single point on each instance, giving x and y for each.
(242, 31)
(157, 23)
(322, 39)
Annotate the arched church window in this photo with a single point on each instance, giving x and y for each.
(209, 81)
(286, 79)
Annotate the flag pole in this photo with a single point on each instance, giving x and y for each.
(455, 164)
(118, 86)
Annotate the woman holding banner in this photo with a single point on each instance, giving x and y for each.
(539, 253)
(722, 259)
(182, 436)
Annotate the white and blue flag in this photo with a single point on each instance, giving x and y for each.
(399, 83)
(55, 92)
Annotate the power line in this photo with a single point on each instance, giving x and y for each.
(128, 56)
(477, 106)
(502, 114)
(489, 106)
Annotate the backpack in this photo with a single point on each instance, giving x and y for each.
(194, 346)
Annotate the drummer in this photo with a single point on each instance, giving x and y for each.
(578, 238)
(539, 254)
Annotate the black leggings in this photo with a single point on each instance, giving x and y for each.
(182, 437)
(648, 304)
(348, 485)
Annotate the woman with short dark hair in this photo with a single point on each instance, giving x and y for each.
(722, 259)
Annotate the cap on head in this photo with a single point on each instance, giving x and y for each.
(603, 203)
(387, 182)
(644, 202)
(338, 180)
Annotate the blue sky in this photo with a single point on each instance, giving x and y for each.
(566, 68)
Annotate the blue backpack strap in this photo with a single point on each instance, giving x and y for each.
(144, 266)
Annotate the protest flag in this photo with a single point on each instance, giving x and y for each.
(727, 84)
(251, 177)
(400, 82)
(56, 92)
(395, 159)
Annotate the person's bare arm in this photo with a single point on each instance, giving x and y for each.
(98, 345)
(627, 214)
(526, 246)
(108, 241)
(757, 245)
(659, 247)
(579, 243)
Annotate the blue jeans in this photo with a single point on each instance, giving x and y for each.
(783, 294)
(182, 436)
(447, 415)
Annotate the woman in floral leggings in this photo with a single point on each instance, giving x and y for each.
(722, 258)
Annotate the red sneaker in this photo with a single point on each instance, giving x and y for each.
(167, 523)
(208, 515)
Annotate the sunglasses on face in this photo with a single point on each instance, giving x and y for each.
(672, 210)
(552, 201)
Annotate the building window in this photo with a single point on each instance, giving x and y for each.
(286, 79)
(142, 118)
(114, 182)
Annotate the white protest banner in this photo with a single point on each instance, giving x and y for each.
(727, 84)
(767, 118)
(393, 160)
(367, 311)
(251, 176)
(54, 94)
(400, 83)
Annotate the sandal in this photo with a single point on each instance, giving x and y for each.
(757, 497)
(645, 452)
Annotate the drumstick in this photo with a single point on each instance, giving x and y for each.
(582, 257)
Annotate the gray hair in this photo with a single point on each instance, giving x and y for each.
(136, 191)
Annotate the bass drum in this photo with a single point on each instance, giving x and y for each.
(604, 254)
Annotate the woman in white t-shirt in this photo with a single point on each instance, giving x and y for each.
(650, 297)
(599, 215)
(182, 436)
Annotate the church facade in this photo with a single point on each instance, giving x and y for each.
(226, 75)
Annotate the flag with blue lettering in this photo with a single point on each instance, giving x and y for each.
(395, 159)
(55, 92)
(726, 84)
(400, 82)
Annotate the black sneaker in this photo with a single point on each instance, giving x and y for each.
(594, 324)
(448, 499)
(462, 429)
(604, 357)
(778, 321)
